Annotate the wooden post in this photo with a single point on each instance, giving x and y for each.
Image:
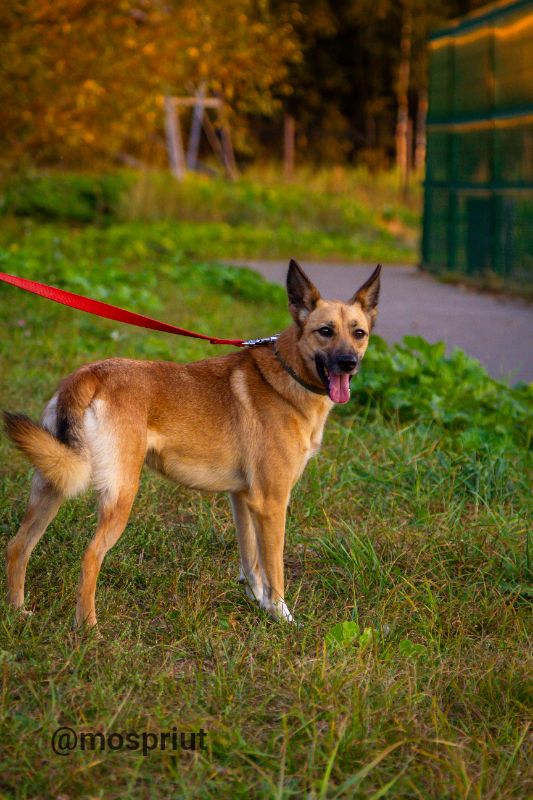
(420, 135)
(196, 129)
(213, 140)
(222, 147)
(176, 156)
(288, 146)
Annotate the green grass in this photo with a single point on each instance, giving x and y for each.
(411, 524)
(330, 214)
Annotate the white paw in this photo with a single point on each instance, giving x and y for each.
(280, 610)
(253, 589)
(284, 612)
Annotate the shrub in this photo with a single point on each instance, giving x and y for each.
(71, 197)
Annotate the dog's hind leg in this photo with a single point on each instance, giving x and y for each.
(250, 574)
(44, 503)
(112, 519)
(116, 466)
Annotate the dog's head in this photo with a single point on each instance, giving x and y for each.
(333, 336)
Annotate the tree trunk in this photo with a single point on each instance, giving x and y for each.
(402, 94)
(288, 146)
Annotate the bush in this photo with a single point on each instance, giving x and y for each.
(416, 381)
(70, 197)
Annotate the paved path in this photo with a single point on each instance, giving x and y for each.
(496, 330)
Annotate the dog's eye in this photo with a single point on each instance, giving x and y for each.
(359, 333)
(325, 331)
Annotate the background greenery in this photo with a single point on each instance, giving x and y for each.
(408, 562)
(324, 213)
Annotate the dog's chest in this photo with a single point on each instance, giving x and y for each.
(315, 439)
(311, 441)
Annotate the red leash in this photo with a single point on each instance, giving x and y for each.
(113, 312)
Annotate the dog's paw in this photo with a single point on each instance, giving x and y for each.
(21, 612)
(252, 589)
(85, 630)
(281, 611)
(286, 614)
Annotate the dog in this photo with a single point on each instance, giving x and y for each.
(244, 423)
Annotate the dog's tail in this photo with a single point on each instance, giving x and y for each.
(65, 465)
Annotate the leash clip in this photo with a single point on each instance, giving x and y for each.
(259, 342)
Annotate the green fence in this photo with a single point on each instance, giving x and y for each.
(478, 208)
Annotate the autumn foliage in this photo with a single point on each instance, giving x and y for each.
(83, 81)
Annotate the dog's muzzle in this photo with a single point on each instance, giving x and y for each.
(347, 364)
(336, 373)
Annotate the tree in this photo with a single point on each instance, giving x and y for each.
(363, 76)
(83, 80)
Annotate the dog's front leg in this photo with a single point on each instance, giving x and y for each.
(250, 574)
(269, 517)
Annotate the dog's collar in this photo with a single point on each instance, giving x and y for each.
(292, 373)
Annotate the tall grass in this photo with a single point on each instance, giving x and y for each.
(333, 213)
(331, 199)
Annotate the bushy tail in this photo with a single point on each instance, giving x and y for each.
(67, 468)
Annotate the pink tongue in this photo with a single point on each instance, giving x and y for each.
(339, 388)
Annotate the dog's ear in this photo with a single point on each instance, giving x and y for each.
(303, 295)
(368, 295)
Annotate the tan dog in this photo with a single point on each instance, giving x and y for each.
(244, 423)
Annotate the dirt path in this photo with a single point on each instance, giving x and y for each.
(496, 330)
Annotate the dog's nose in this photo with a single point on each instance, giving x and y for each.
(347, 363)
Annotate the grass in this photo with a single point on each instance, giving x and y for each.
(410, 527)
(330, 214)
